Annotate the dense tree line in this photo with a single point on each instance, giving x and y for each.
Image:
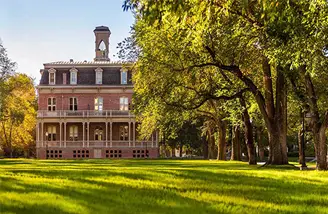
(250, 65)
(17, 110)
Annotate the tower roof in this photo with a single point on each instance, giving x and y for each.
(101, 28)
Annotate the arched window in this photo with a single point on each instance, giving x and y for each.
(102, 48)
(98, 133)
(73, 75)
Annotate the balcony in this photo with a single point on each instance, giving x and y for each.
(97, 144)
(83, 114)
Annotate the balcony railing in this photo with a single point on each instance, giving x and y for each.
(97, 144)
(84, 113)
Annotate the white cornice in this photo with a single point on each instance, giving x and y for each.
(83, 86)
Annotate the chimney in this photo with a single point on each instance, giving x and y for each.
(102, 34)
(71, 60)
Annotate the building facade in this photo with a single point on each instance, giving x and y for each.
(84, 109)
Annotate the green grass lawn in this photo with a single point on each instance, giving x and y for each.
(158, 186)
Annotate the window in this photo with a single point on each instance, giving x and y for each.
(51, 133)
(73, 104)
(124, 77)
(73, 133)
(124, 132)
(124, 103)
(64, 78)
(98, 133)
(99, 104)
(52, 76)
(73, 75)
(99, 75)
(51, 104)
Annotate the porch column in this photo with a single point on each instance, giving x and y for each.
(152, 139)
(60, 134)
(38, 134)
(42, 128)
(129, 124)
(65, 134)
(134, 134)
(110, 133)
(106, 134)
(88, 133)
(83, 137)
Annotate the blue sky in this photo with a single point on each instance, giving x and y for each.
(39, 31)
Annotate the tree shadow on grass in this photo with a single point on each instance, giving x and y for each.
(179, 190)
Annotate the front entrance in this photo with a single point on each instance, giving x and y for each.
(97, 153)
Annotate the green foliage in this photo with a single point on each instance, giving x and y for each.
(158, 186)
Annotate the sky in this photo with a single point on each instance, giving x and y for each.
(39, 31)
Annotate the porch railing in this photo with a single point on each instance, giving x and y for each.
(97, 144)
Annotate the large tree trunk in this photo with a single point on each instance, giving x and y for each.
(235, 151)
(318, 128)
(222, 141)
(248, 134)
(281, 113)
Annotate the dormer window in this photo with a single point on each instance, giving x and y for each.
(73, 76)
(124, 76)
(99, 72)
(52, 76)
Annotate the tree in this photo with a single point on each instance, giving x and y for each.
(270, 39)
(17, 122)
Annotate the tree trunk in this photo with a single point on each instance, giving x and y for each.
(180, 151)
(205, 147)
(300, 153)
(211, 140)
(235, 151)
(248, 134)
(281, 112)
(173, 151)
(319, 138)
(222, 141)
(260, 144)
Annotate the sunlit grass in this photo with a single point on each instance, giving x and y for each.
(158, 186)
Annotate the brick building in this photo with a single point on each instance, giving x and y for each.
(84, 109)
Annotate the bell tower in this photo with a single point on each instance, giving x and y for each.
(102, 34)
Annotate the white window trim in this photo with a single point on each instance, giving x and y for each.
(74, 132)
(123, 70)
(73, 70)
(98, 71)
(51, 132)
(52, 105)
(102, 104)
(74, 103)
(124, 106)
(52, 71)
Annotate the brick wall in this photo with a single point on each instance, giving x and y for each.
(106, 153)
(84, 101)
